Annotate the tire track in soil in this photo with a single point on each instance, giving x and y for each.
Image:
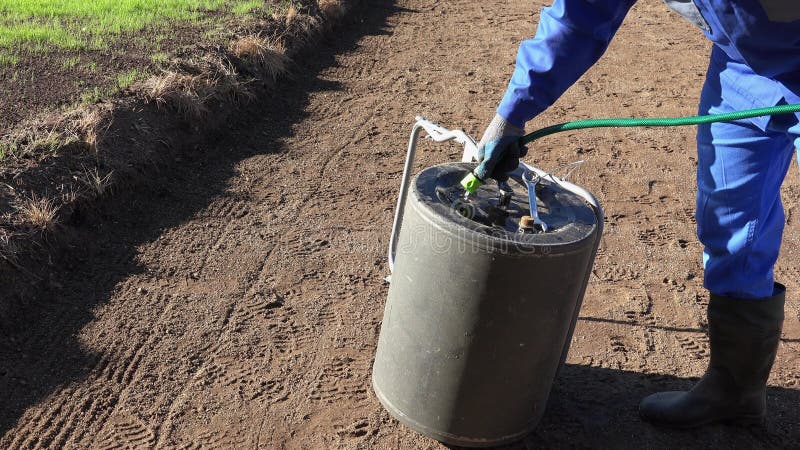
(250, 320)
(81, 402)
(211, 366)
(125, 432)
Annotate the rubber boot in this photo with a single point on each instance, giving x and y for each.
(744, 336)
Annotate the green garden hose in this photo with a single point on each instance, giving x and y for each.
(659, 122)
(471, 182)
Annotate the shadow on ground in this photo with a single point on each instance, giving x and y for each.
(44, 308)
(600, 407)
(592, 407)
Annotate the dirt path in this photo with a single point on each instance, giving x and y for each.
(234, 301)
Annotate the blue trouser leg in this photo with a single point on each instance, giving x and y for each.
(740, 169)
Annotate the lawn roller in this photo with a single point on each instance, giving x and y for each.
(486, 283)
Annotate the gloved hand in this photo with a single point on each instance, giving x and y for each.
(499, 150)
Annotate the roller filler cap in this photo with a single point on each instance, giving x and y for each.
(527, 222)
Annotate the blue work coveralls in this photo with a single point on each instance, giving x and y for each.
(755, 62)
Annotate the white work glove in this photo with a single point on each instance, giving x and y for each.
(499, 150)
(499, 128)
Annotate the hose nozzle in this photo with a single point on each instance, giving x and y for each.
(471, 183)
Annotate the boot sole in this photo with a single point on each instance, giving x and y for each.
(740, 421)
(746, 421)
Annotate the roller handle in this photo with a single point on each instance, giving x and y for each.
(439, 134)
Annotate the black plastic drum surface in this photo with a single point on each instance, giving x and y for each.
(478, 315)
(569, 218)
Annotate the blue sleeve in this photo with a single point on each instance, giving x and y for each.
(570, 38)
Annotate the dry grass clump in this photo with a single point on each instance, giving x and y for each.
(39, 213)
(45, 135)
(269, 57)
(47, 141)
(37, 137)
(8, 247)
(6, 244)
(291, 14)
(192, 87)
(89, 124)
(229, 86)
(96, 184)
(332, 9)
(179, 91)
(301, 28)
(248, 47)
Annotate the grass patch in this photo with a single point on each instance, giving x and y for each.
(160, 59)
(71, 62)
(39, 25)
(125, 80)
(6, 150)
(244, 8)
(8, 60)
(92, 96)
(37, 37)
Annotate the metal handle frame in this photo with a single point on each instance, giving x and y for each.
(439, 134)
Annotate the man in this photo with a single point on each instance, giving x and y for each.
(755, 62)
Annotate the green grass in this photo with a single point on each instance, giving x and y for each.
(159, 59)
(125, 80)
(8, 60)
(71, 62)
(92, 96)
(40, 25)
(246, 7)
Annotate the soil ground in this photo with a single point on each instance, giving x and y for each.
(235, 299)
